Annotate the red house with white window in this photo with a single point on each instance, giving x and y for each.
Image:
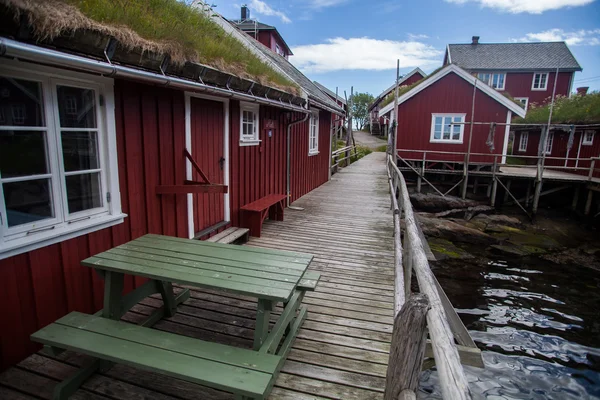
(524, 71)
(433, 119)
(93, 154)
(265, 34)
(379, 122)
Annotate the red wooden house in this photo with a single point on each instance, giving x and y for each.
(525, 71)
(433, 118)
(265, 34)
(570, 143)
(380, 122)
(92, 154)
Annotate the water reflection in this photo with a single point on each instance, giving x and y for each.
(537, 323)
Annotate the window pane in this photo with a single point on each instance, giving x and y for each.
(536, 81)
(21, 103)
(28, 201)
(543, 80)
(80, 150)
(83, 192)
(22, 153)
(76, 107)
(437, 133)
(438, 120)
(455, 132)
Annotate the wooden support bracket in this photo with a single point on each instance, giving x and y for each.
(192, 186)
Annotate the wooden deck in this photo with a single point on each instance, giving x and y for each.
(340, 353)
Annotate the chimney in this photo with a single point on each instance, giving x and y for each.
(245, 12)
(582, 91)
(475, 40)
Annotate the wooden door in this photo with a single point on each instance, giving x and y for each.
(208, 134)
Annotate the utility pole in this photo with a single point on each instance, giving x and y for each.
(349, 130)
(395, 140)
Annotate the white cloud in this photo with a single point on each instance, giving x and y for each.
(363, 54)
(260, 7)
(417, 36)
(575, 38)
(525, 6)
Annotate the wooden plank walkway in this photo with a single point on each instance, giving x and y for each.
(340, 353)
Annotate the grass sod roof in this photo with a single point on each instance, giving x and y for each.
(160, 26)
(576, 109)
(405, 88)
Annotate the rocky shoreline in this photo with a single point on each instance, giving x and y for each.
(466, 229)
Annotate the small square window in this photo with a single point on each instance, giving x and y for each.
(588, 138)
(313, 134)
(447, 128)
(524, 101)
(523, 141)
(540, 81)
(249, 124)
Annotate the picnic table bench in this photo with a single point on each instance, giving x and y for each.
(254, 214)
(271, 276)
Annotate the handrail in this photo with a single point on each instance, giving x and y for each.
(452, 377)
(348, 151)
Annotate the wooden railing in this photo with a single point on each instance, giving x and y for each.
(412, 257)
(342, 156)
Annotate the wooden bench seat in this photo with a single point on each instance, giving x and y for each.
(253, 214)
(244, 372)
(309, 281)
(230, 235)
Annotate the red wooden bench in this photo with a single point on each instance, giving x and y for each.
(253, 214)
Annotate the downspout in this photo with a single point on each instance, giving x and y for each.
(289, 153)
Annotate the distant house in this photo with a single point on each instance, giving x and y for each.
(567, 145)
(379, 123)
(433, 118)
(266, 34)
(525, 71)
(95, 125)
(339, 99)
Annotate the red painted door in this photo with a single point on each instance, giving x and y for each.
(208, 134)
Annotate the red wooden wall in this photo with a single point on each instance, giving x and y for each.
(256, 171)
(38, 287)
(559, 149)
(518, 84)
(451, 94)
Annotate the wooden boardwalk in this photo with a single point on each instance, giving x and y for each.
(342, 349)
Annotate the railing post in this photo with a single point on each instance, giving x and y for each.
(592, 167)
(465, 177)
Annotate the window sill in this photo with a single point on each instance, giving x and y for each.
(249, 142)
(539, 90)
(587, 144)
(446, 141)
(313, 153)
(59, 234)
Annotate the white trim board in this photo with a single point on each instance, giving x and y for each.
(482, 86)
(506, 135)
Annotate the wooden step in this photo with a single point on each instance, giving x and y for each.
(232, 369)
(230, 235)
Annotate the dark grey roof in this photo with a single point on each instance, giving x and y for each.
(252, 25)
(513, 56)
(330, 93)
(293, 73)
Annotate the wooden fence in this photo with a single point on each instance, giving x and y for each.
(443, 323)
(342, 157)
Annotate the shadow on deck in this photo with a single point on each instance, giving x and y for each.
(342, 349)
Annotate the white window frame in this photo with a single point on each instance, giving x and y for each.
(278, 50)
(520, 100)
(246, 140)
(523, 141)
(490, 79)
(448, 141)
(549, 143)
(313, 132)
(545, 82)
(585, 141)
(27, 237)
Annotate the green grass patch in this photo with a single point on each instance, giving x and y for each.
(576, 109)
(382, 148)
(511, 160)
(189, 34)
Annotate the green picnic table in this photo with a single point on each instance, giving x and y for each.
(270, 276)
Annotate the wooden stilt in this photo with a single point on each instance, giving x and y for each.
(494, 183)
(588, 203)
(506, 193)
(419, 177)
(528, 195)
(575, 198)
(475, 184)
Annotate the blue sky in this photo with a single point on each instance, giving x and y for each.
(356, 43)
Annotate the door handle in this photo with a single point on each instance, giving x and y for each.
(221, 162)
